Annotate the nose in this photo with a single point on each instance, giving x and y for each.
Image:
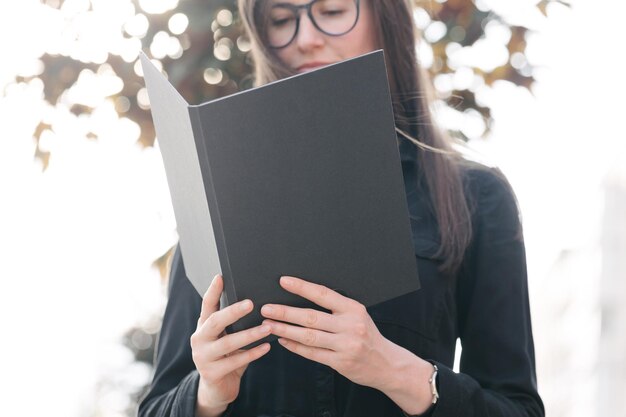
(308, 36)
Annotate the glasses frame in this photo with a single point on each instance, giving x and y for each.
(308, 7)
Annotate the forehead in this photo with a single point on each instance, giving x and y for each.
(294, 2)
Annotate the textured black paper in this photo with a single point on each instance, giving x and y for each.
(299, 177)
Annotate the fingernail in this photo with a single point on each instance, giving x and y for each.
(264, 329)
(268, 309)
(286, 280)
(245, 305)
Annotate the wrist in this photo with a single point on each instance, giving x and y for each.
(205, 407)
(408, 382)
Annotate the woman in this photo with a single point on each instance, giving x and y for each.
(393, 359)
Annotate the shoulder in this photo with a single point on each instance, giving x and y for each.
(491, 198)
(179, 285)
(482, 180)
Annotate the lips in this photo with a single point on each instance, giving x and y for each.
(311, 65)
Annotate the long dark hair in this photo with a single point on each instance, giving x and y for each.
(438, 163)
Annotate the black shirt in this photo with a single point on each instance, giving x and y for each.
(485, 305)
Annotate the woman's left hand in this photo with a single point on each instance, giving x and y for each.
(346, 339)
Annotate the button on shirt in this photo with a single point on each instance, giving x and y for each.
(485, 304)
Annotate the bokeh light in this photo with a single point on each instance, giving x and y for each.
(213, 75)
(243, 44)
(222, 49)
(435, 31)
(137, 25)
(157, 6)
(224, 17)
(178, 23)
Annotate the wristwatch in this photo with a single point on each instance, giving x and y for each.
(433, 384)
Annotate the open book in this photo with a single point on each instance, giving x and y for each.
(298, 177)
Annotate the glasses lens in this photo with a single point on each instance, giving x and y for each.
(281, 26)
(335, 17)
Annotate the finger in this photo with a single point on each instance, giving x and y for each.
(222, 367)
(211, 299)
(217, 322)
(323, 356)
(319, 294)
(306, 317)
(305, 336)
(232, 342)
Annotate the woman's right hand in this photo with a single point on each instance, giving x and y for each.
(219, 359)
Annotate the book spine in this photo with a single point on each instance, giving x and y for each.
(229, 296)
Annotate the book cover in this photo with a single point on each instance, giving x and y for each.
(298, 177)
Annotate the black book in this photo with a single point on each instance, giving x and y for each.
(298, 177)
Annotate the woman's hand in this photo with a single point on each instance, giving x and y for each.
(218, 357)
(347, 340)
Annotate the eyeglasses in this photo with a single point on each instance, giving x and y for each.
(331, 17)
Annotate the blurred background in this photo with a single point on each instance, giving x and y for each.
(536, 87)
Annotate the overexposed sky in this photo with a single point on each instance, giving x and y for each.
(77, 241)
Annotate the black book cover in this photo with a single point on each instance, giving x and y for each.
(298, 177)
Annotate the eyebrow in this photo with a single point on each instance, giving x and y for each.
(283, 5)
